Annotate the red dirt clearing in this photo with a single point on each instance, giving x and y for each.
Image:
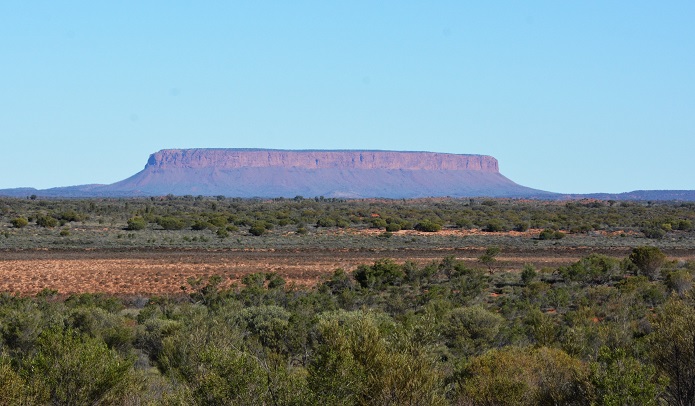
(166, 272)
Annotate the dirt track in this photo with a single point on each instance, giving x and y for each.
(166, 271)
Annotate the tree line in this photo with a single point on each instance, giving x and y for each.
(258, 217)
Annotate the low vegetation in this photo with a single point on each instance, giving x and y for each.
(599, 331)
(189, 222)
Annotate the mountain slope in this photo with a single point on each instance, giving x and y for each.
(347, 174)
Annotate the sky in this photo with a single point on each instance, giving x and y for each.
(570, 97)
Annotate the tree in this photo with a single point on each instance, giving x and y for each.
(528, 274)
(672, 347)
(356, 361)
(619, 379)
(489, 257)
(648, 260)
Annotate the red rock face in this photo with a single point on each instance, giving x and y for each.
(260, 158)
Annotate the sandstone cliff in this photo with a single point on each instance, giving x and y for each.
(314, 159)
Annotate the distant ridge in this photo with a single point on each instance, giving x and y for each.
(270, 173)
(643, 195)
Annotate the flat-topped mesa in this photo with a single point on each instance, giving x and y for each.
(318, 159)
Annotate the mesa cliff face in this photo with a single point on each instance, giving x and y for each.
(346, 174)
(315, 159)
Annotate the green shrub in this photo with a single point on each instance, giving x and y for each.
(70, 215)
(521, 226)
(428, 226)
(648, 260)
(19, 222)
(383, 272)
(653, 232)
(46, 221)
(378, 223)
(464, 223)
(393, 227)
(200, 225)
(171, 223)
(684, 225)
(528, 274)
(595, 268)
(551, 235)
(325, 222)
(494, 226)
(136, 223)
(79, 370)
(258, 228)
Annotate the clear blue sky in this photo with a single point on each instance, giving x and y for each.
(570, 96)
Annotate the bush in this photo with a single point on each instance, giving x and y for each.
(258, 228)
(136, 223)
(528, 274)
(551, 235)
(494, 226)
(171, 223)
(46, 221)
(79, 369)
(648, 260)
(393, 227)
(383, 272)
(464, 223)
(653, 232)
(325, 222)
(595, 268)
(19, 222)
(71, 215)
(471, 329)
(524, 376)
(200, 225)
(378, 223)
(684, 225)
(521, 226)
(428, 226)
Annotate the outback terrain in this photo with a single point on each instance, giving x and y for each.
(306, 240)
(324, 301)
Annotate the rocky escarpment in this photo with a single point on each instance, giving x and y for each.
(314, 159)
(347, 174)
